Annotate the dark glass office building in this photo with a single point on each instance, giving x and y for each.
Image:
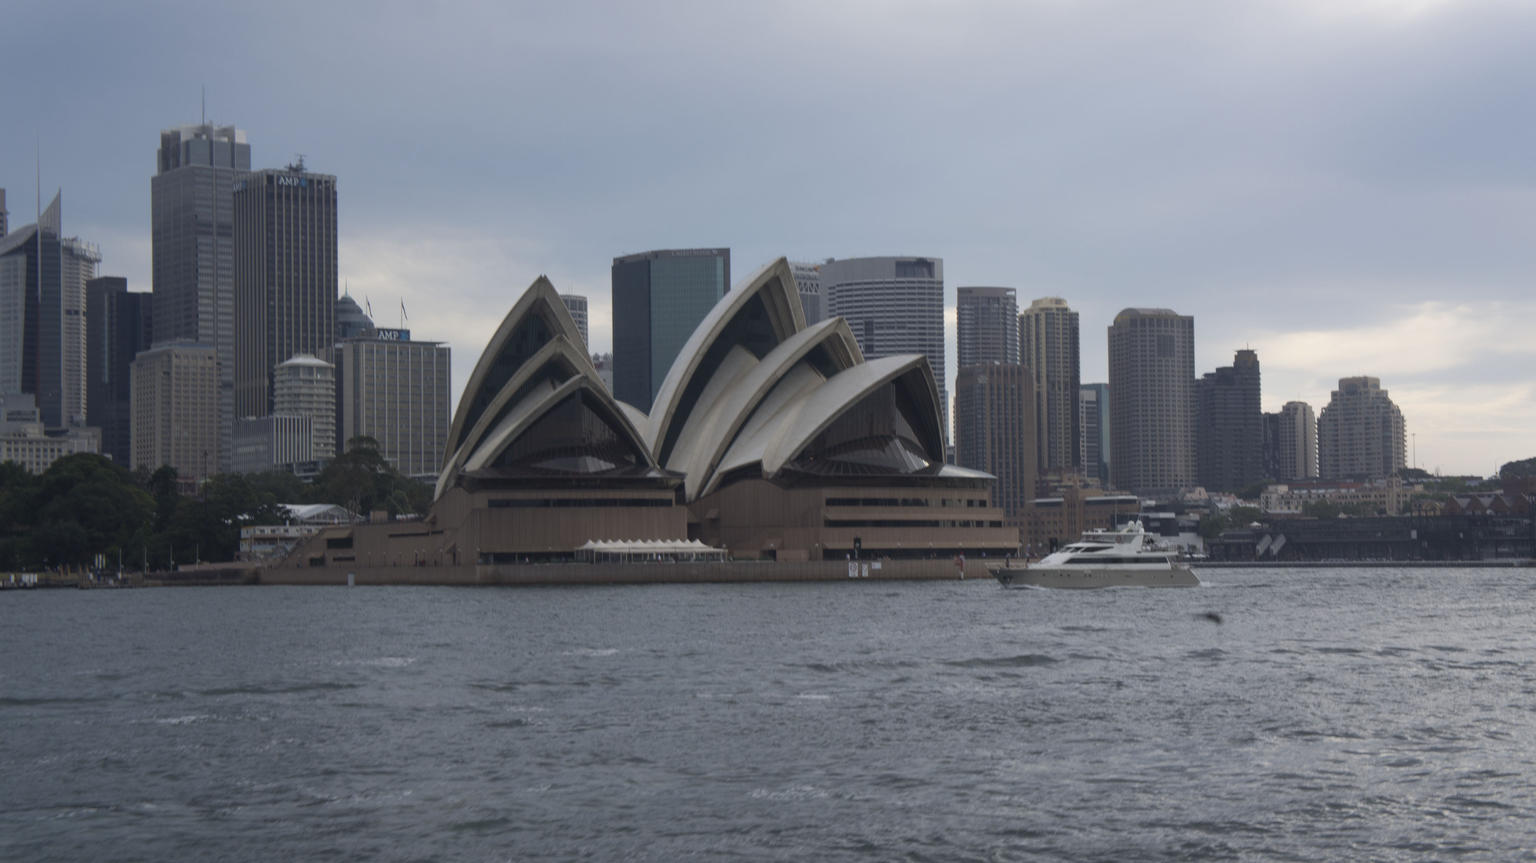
(285, 277)
(658, 299)
(119, 325)
(1230, 429)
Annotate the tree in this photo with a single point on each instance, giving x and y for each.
(85, 505)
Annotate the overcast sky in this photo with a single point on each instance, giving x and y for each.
(1346, 186)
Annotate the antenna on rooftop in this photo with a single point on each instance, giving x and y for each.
(204, 96)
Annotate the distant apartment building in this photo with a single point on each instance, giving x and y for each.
(994, 430)
(1384, 496)
(986, 326)
(119, 324)
(894, 305)
(192, 238)
(305, 386)
(659, 297)
(1229, 429)
(1295, 442)
(577, 306)
(1152, 401)
(285, 276)
(1093, 432)
(397, 392)
(808, 281)
(1048, 342)
(1360, 433)
(175, 399)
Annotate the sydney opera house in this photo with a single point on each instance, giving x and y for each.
(768, 439)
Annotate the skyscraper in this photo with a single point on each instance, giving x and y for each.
(119, 325)
(577, 306)
(1152, 401)
(192, 247)
(994, 430)
(42, 317)
(1360, 434)
(894, 305)
(396, 392)
(1229, 431)
(1093, 430)
(1048, 345)
(986, 326)
(1296, 441)
(285, 276)
(658, 299)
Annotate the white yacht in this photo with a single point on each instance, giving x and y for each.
(1127, 557)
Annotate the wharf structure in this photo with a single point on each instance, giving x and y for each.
(768, 439)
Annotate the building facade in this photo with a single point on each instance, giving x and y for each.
(808, 282)
(119, 324)
(894, 305)
(192, 245)
(285, 277)
(1093, 432)
(658, 299)
(1360, 434)
(305, 386)
(1152, 401)
(995, 428)
(1048, 341)
(1229, 430)
(398, 393)
(986, 327)
(25, 441)
(276, 442)
(1296, 442)
(175, 399)
(577, 306)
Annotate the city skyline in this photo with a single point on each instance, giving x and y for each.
(1340, 187)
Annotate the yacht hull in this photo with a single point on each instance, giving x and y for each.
(1090, 578)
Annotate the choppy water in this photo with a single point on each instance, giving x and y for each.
(1333, 714)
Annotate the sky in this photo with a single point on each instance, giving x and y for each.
(1345, 186)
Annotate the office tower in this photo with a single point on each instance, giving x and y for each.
(1229, 430)
(42, 317)
(396, 392)
(119, 325)
(175, 403)
(351, 321)
(986, 326)
(1048, 347)
(1360, 434)
(894, 306)
(1152, 401)
(659, 298)
(305, 386)
(285, 276)
(77, 266)
(994, 430)
(1093, 431)
(1296, 442)
(808, 282)
(577, 306)
(192, 246)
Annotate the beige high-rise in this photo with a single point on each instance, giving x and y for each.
(175, 407)
(305, 386)
(1297, 442)
(396, 392)
(1360, 434)
(1048, 344)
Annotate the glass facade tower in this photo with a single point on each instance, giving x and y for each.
(659, 298)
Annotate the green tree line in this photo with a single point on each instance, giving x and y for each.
(85, 505)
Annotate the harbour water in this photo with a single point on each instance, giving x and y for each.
(1361, 714)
